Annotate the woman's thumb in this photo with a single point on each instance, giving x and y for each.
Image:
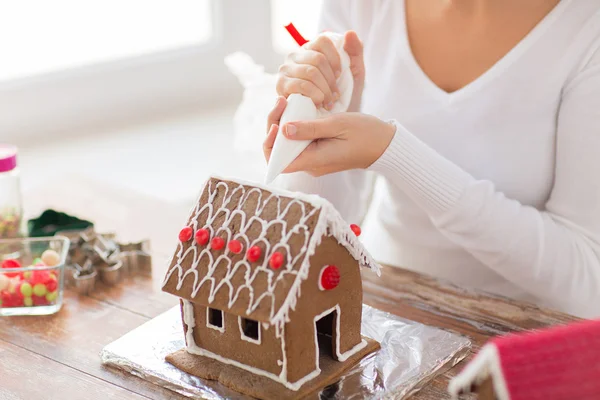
(352, 44)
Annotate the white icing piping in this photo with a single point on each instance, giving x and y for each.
(340, 229)
(329, 223)
(340, 356)
(216, 328)
(321, 278)
(190, 321)
(485, 364)
(247, 338)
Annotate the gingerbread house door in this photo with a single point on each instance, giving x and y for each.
(325, 328)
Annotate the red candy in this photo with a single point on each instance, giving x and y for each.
(39, 277)
(51, 285)
(217, 243)
(185, 234)
(6, 298)
(39, 300)
(356, 229)
(10, 264)
(330, 277)
(11, 299)
(235, 246)
(202, 236)
(276, 260)
(254, 253)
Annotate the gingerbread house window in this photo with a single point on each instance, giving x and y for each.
(214, 319)
(250, 330)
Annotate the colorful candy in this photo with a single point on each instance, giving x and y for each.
(276, 260)
(40, 289)
(254, 253)
(51, 258)
(11, 264)
(52, 284)
(51, 296)
(330, 277)
(26, 289)
(185, 234)
(39, 300)
(235, 246)
(217, 243)
(10, 223)
(202, 236)
(4, 282)
(34, 287)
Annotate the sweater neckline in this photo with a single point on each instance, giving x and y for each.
(491, 73)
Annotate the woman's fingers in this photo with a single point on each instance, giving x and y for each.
(311, 130)
(287, 86)
(325, 46)
(276, 112)
(317, 60)
(354, 48)
(270, 141)
(316, 160)
(312, 74)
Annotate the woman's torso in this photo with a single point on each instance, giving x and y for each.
(500, 127)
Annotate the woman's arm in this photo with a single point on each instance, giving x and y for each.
(553, 253)
(348, 191)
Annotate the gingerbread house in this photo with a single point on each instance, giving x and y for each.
(270, 289)
(560, 363)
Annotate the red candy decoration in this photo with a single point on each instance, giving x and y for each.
(217, 243)
(330, 277)
(6, 298)
(51, 285)
(39, 300)
(235, 246)
(10, 264)
(254, 253)
(11, 299)
(185, 234)
(276, 260)
(202, 236)
(356, 229)
(39, 277)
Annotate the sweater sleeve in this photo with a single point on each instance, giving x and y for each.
(553, 253)
(348, 191)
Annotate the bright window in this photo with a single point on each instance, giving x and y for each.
(40, 36)
(303, 14)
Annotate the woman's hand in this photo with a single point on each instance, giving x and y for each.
(341, 141)
(312, 71)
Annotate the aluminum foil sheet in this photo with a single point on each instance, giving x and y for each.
(411, 355)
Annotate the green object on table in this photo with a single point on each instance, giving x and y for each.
(52, 221)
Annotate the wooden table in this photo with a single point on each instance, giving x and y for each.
(57, 357)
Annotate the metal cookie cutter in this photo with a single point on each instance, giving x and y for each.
(94, 256)
(136, 258)
(84, 278)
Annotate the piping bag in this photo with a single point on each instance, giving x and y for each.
(302, 108)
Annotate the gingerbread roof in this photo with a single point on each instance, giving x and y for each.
(292, 224)
(560, 363)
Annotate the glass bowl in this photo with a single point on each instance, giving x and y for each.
(28, 286)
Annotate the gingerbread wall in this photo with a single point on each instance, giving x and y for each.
(299, 333)
(229, 344)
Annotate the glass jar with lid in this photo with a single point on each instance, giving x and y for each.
(11, 209)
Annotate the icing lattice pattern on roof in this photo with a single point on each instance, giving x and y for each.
(277, 221)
